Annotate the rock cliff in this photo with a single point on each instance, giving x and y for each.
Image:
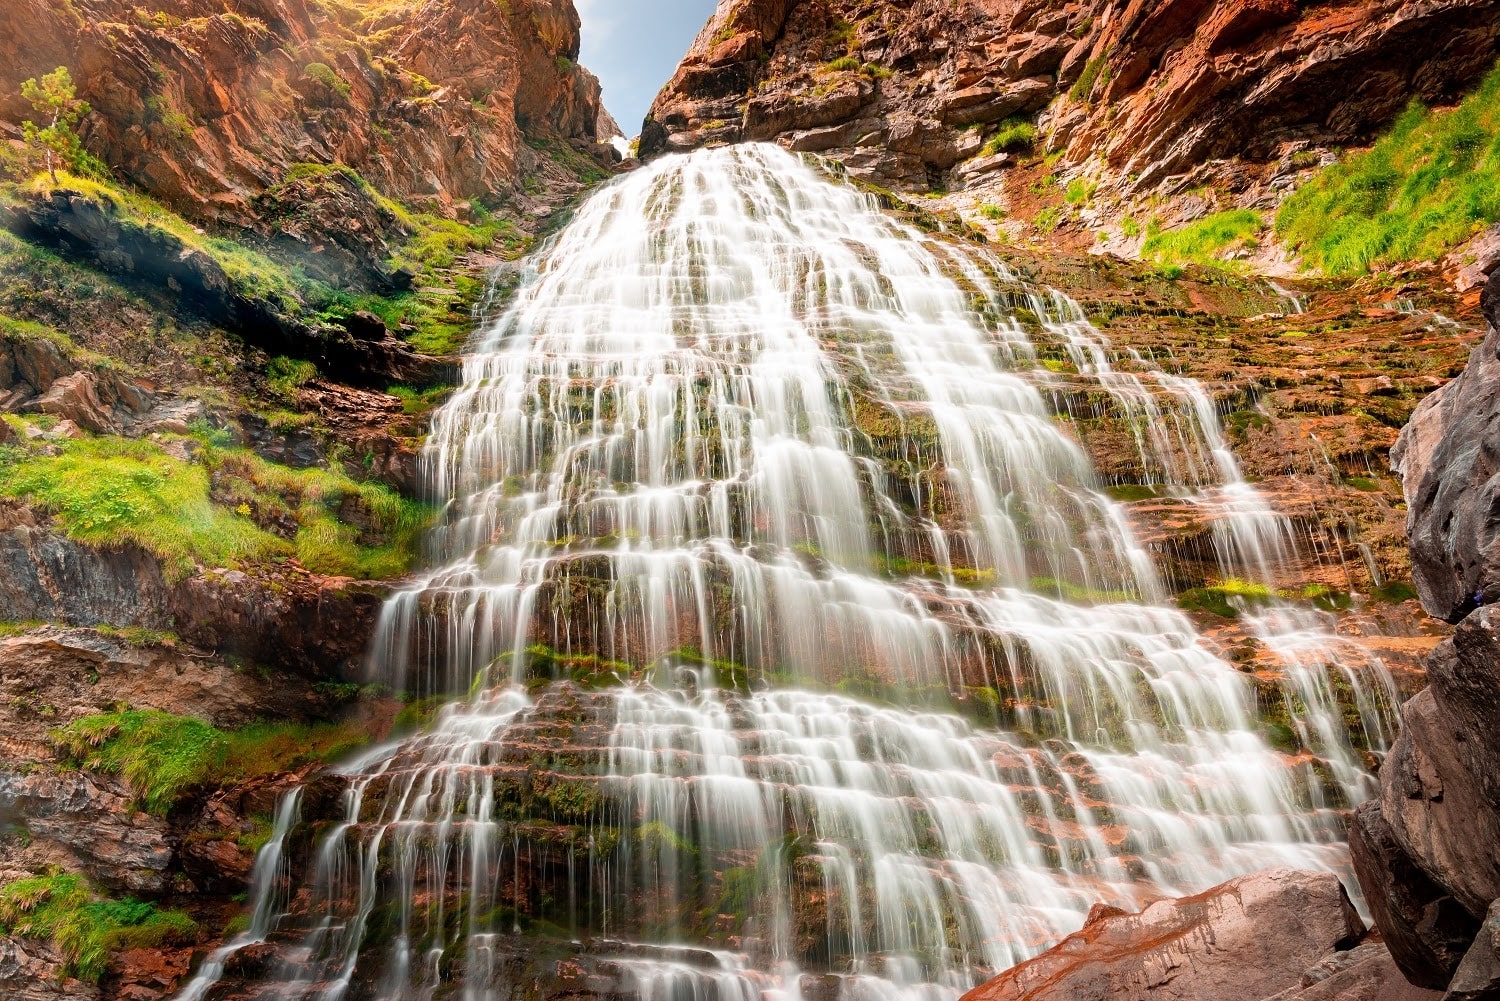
(207, 104)
(1143, 97)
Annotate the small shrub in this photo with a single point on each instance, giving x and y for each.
(844, 63)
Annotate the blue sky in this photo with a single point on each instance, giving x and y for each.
(634, 45)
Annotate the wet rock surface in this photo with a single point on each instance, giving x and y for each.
(1449, 457)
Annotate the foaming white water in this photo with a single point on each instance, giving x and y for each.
(797, 466)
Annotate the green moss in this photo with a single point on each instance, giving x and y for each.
(1225, 599)
(164, 757)
(1394, 592)
(112, 491)
(383, 543)
(328, 77)
(1204, 241)
(1426, 186)
(84, 929)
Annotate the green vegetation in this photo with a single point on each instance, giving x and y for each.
(1079, 191)
(1427, 185)
(62, 910)
(115, 491)
(328, 77)
(1225, 599)
(1013, 134)
(1095, 71)
(1203, 242)
(994, 212)
(428, 246)
(164, 757)
(55, 100)
(844, 63)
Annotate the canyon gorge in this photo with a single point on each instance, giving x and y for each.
(948, 514)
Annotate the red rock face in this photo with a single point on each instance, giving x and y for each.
(1145, 89)
(206, 103)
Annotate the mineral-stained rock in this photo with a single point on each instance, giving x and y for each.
(1449, 458)
(1250, 938)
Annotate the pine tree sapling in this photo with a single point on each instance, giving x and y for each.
(55, 100)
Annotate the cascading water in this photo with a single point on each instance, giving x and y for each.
(873, 690)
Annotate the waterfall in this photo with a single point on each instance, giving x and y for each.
(806, 651)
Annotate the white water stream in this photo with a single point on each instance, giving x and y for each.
(917, 698)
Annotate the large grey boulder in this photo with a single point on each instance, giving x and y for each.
(1449, 460)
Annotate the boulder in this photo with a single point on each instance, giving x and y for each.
(1478, 976)
(76, 398)
(1425, 929)
(1365, 973)
(1449, 457)
(1250, 938)
(92, 817)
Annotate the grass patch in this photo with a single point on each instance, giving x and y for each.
(1013, 134)
(1079, 191)
(1426, 186)
(1094, 71)
(1204, 241)
(84, 929)
(164, 757)
(111, 492)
